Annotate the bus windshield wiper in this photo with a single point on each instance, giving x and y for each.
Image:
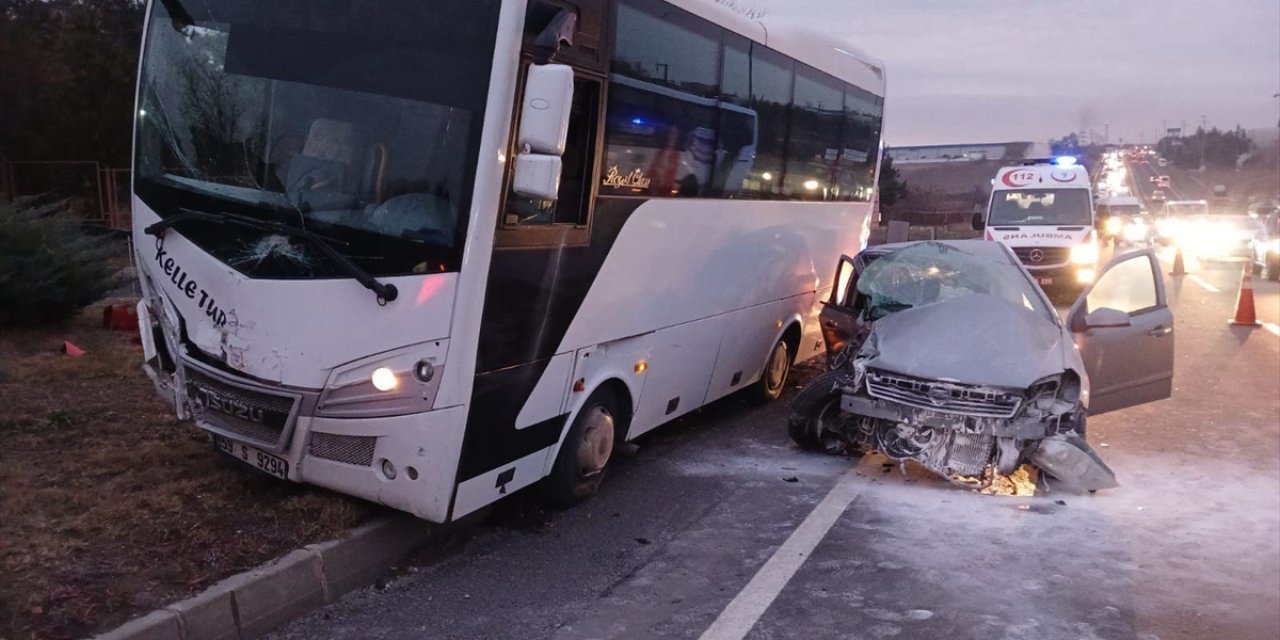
(386, 292)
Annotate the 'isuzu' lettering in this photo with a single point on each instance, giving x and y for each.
(188, 287)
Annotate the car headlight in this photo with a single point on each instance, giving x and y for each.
(1086, 253)
(1114, 226)
(1167, 227)
(396, 383)
(1274, 245)
(1135, 231)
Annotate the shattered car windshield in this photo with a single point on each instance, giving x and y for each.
(930, 273)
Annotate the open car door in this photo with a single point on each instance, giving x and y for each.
(837, 316)
(1124, 329)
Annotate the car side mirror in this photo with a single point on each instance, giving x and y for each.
(1107, 317)
(544, 131)
(978, 222)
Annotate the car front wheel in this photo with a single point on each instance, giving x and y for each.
(816, 414)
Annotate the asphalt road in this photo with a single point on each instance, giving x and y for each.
(1183, 185)
(719, 528)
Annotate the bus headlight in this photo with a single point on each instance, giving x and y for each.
(1086, 253)
(384, 379)
(398, 383)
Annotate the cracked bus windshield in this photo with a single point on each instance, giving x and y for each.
(356, 120)
(1040, 207)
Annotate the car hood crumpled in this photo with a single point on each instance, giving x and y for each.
(978, 339)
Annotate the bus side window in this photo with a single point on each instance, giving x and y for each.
(578, 175)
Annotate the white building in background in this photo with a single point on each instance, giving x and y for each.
(977, 152)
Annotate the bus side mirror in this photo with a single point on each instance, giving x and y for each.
(537, 176)
(544, 130)
(544, 116)
(978, 223)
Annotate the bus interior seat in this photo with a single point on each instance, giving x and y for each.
(324, 174)
(375, 173)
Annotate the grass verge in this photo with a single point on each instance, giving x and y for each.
(108, 506)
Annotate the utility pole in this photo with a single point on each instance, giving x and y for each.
(1204, 138)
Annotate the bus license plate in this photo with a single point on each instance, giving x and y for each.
(261, 460)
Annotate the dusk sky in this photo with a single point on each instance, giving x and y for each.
(997, 70)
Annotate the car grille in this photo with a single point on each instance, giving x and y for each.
(357, 450)
(239, 412)
(946, 397)
(1049, 256)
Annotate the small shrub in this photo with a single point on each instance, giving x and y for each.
(50, 268)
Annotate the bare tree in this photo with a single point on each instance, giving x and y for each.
(749, 10)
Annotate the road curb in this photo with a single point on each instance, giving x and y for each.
(250, 604)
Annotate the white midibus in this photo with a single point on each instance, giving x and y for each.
(431, 253)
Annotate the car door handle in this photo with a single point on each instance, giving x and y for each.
(1160, 332)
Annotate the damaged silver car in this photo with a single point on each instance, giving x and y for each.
(948, 354)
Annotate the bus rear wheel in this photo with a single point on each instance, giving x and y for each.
(774, 377)
(587, 448)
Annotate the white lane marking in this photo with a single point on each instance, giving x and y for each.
(1273, 328)
(737, 619)
(1204, 284)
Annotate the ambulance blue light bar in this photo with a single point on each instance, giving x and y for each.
(1065, 161)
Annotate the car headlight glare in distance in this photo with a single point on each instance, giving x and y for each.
(1086, 253)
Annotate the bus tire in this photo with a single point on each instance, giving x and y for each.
(586, 451)
(773, 380)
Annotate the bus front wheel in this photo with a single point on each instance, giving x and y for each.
(586, 451)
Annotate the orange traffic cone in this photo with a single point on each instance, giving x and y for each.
(71, 349)
(1179, 267)
(1246, 314)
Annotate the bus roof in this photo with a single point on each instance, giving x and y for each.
(817, 49)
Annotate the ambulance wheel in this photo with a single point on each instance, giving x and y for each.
(586, 451)
(773, 380)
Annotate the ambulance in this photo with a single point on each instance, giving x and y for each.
(1043, 210)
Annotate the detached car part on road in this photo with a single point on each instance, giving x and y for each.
(947, 354)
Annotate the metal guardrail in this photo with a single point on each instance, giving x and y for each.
(929, 218)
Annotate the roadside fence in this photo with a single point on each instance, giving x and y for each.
(97, 193)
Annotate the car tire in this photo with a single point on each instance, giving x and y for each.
(817, 403)
(579, 467)
(773, 379)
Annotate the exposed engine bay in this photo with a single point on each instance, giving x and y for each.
(938, 366)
